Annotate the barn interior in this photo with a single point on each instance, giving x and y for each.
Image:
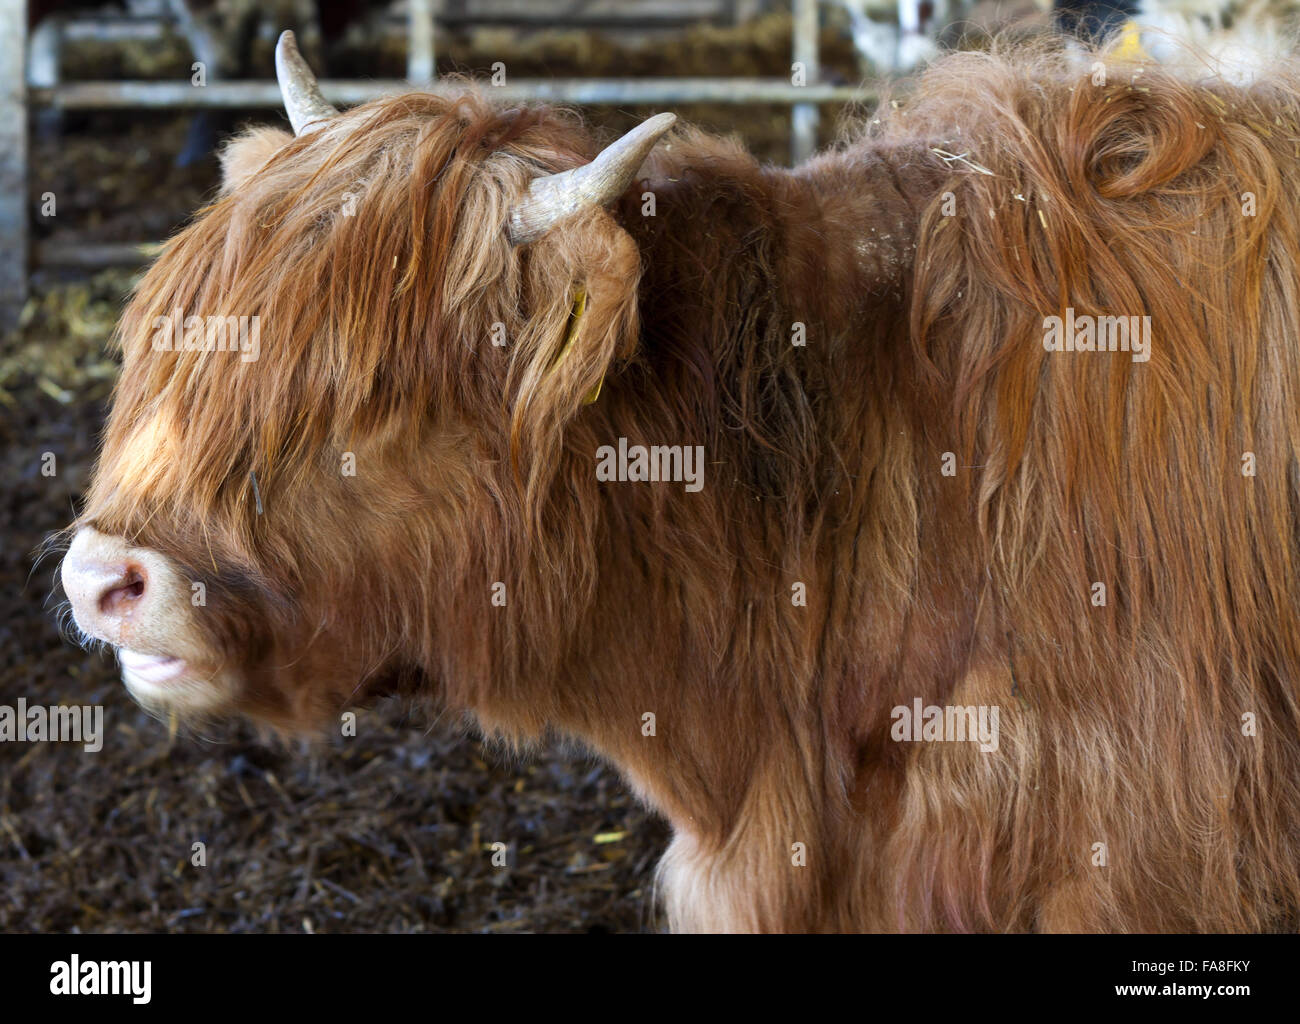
(388, 830)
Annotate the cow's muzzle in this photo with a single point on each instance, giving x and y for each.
(138, 601)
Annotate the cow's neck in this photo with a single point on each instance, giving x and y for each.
(772, 307)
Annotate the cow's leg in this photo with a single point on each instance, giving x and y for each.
(698, 894)
(769, 874)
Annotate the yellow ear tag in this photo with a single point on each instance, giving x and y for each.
(1130, 42)
(571, 335)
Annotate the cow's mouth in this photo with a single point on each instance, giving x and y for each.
(141, 603)
(163, 682)
(151, 669)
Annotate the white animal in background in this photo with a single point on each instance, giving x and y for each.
(897, 36)
(1235, 41)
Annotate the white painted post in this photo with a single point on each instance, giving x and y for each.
(420, 68)
(13, 159)
(804, 116)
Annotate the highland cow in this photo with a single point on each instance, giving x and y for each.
(914, 512)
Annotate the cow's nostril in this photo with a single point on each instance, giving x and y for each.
(118, 599)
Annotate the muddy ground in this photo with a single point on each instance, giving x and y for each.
(390, 830)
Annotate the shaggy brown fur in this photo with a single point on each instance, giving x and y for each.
(1120, 724)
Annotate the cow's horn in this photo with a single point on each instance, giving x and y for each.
(303, 101)
(552, 198)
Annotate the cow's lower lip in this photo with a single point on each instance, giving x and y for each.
(150, 668)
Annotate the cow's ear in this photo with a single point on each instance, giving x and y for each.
(247, 153)
(580, 291)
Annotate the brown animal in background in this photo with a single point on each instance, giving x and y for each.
(945, 491)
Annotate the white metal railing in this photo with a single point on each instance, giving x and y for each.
(40, 89)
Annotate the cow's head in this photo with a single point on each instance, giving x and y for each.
(344, 398)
